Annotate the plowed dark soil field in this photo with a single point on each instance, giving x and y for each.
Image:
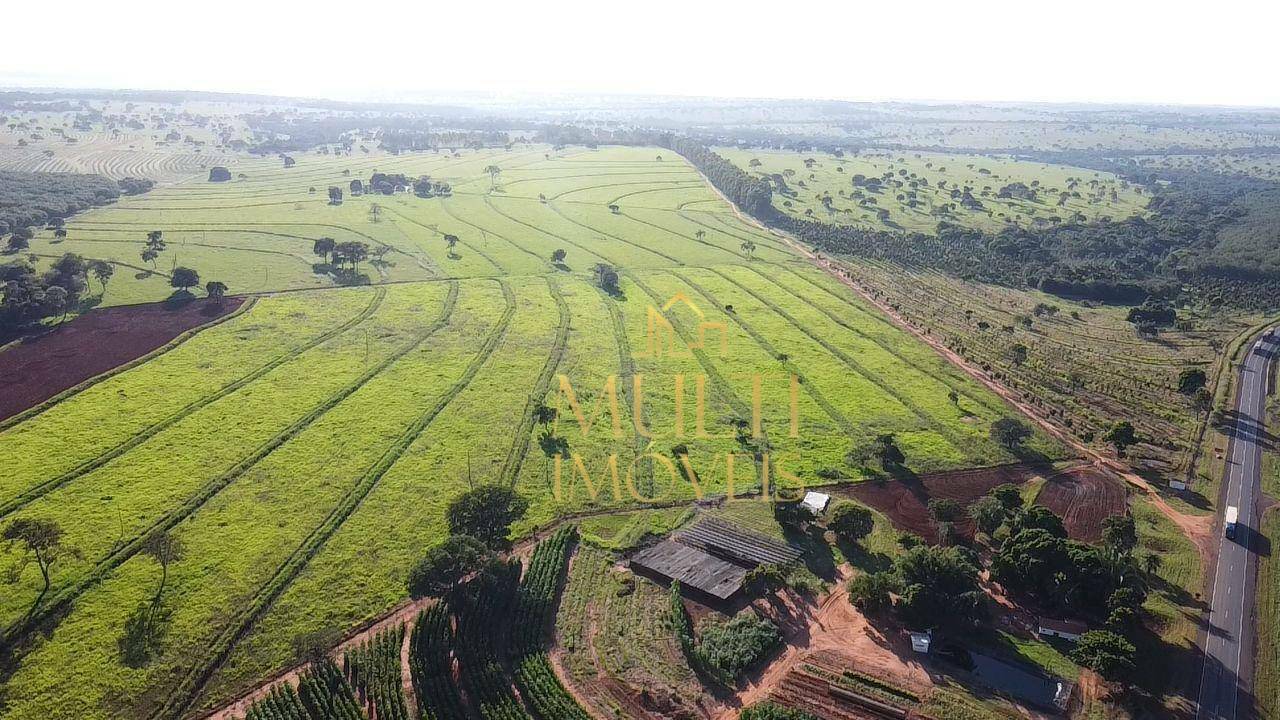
(40, 367)
(1083, 498)
(906, 502)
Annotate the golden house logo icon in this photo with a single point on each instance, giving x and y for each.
(662, 339)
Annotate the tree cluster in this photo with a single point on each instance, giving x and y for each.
(36, 199)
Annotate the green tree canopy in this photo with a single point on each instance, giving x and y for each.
(1010, 433)
(851, 522)
(184, 278)
(486, 514)
(445, 565)
(1109, 654)
(987, 514)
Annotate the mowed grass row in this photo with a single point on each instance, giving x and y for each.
(113, 505)
(361, 571)
(963, 423)
(266, 515)
(863, 404)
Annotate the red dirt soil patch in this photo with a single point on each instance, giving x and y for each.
(906, 502)
(1083, 497)
(39, 367)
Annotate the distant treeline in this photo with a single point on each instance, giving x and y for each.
(1212, 236)
(281, 133)
(35, 199)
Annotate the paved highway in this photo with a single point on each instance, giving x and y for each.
(1228, 641)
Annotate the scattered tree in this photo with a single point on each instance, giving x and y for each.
(447, 564)
(1121, 435)
(184, 278)
(323, 247)
(890, 455)
(38, 540)
(486, 514)
(165, 548)
(102, 270)
(217, 291)
(1010, 433)
(493, 171)
(1191, 380)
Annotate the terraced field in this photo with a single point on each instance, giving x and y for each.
(52, 142)
(304, 451)
(915, 190)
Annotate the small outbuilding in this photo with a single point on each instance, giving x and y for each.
(815, 502)
(1065, 629)
(921, 641)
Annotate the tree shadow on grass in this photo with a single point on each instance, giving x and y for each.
(178, 299)
(863, 559)
(816, 553)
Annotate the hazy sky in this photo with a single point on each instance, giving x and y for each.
(1221, 52)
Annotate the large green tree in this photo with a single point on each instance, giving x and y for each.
(447, 564)
(486, 514)
(939, 587)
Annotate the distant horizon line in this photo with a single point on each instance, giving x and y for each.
(427, 97)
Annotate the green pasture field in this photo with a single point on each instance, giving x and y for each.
(305, 451)
(812, 176)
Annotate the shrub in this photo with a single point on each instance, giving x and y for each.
(734, 646)
(770, 711)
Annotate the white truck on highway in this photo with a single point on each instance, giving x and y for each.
(1230, 518)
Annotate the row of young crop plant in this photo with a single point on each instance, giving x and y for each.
(493, 612)
(537, 681)
(431, 666)
(481, 612)
(373, 670)
(322, 694)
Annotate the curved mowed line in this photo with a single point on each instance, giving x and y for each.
(41, 489)
(994, 407)
(877, 381)
(171, 345)
(66, 597)
(193, 682)
(489, 201)
(597, 231)
(520, 444)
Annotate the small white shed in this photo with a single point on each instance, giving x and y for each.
(816, 502)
